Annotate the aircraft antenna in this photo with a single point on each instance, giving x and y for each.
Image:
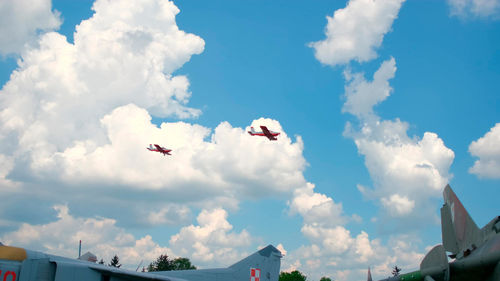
(139, 265)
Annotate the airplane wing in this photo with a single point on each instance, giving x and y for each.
(158, 147)
(130, 275)
(267, 133)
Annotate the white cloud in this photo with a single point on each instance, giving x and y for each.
(205, 169)
(22, 20)
(406, 171)
(334, 240)
(355, 32)
(362, 96)
(316, 207)
(77, 117)
(231, 165)
(488, 150)
(475, 8)
(212, 240)
(171, 214)
(61, 90)
(52, 106)
(336, 253)
(281, 248)
(210, 243)
(398, 205)
(99, 235)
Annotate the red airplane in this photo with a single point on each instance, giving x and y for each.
(265, 132)
(160, 149)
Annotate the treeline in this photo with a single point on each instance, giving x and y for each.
(162, 263)
(298, 276)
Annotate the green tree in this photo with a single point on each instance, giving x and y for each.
(292, 276)
(324, 278)
(115, 262)
(163, 263)
(396, 270)
(182, 264)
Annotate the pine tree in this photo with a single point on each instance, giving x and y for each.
(163, 263)
(115, 262)
(396, 270)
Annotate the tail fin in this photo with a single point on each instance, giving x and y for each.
(252, 131)
(263, 265)
(460, 233)
(369, 275)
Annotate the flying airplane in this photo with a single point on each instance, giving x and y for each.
(18, 264)
(160, 149)
(476, 252)
(265, 132)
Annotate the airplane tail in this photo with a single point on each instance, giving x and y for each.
(263, 265)
(252, 131)
(460, 233)
(369, 278)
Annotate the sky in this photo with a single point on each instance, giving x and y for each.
(380, 105)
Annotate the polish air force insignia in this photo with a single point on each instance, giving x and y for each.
(254, 274)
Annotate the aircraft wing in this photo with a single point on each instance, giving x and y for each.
(267, 133)
(158, 147)
(131, 275)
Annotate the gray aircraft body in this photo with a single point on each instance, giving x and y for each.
(476, 252)
(17, 264)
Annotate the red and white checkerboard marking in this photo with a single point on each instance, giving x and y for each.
(254, 274)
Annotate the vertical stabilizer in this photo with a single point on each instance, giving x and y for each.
(460, 233)
(263, 265)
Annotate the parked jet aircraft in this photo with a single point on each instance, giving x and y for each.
(476, 251)
(17, 264)
(265, 132)
(160, 149)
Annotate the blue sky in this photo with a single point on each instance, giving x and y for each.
(371, 132)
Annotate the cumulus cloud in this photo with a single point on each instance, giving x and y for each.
(355, 32)
(361, 95)
(21, 21)
(488, 151)
(76, 118)
(60, 90)
(406, 171)
(336, 253)
(53, 107)
(333, 250)
(100, 236)
(316, 207)
(220, 168)
(206, 169)
(398, 205)
(475, 8)
(212, 240)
